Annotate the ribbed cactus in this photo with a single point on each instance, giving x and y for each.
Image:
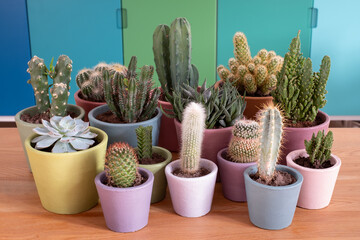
(319, 147)
(301, 92)
(121, 165)
(256, 76)
(271, 130)
(193, 126)
(144, 141)
(244, 144)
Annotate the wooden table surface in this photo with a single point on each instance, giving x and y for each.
(22, 216)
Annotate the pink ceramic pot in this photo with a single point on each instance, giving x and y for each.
(86, 105)
(293, 138)
(318, 184)
(232, 177)
(167, 134)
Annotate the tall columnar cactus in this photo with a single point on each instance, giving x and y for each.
(301, 92)
(172, 56)
(193, 126)
(256, 76)
(244, 143)
(319, 147)
(39, 81)
(271, 130)
(144, 141)
(121, 165)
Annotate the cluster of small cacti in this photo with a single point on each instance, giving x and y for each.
(244, 143)
(91, 81)
(144, 141)
(61, 76)
(319, 147)
(256, 76)
(172, 55)
(130, 97)
(121, 165)
(301, 92)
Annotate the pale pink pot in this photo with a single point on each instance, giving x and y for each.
(318, 184)
(192, 197)
(167, 134)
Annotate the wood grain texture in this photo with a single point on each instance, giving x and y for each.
(22, 217)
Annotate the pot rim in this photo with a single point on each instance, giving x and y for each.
(219, 156)
(206, 129)
(213, 172)
(77, 96)
(297, 153)
(160, 164)
(258, 98)
(298, 176)
(327, 122)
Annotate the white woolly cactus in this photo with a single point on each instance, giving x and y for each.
(193, 125)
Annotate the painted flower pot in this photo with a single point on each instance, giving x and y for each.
(272, 207)
(232, 177)
(293, 138)
(158, 169)
(124, 132)
(86, 104)
(125, 209)
(167, 134)
(192, 197)
(253, 104)
(65, 181)
(26, 129)
(318, 185)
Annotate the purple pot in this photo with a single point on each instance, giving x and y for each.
(294, 137)
(125, 209)
(232, 177)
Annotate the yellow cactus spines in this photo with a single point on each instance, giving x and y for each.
(241, 48)
(261, 73)
(223, 72)
(249, 83)
(233, 64)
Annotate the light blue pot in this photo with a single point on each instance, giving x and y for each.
(272, 207)
(124, 132)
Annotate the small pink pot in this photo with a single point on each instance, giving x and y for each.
(318, 184)
(86, 105)
(167, 134)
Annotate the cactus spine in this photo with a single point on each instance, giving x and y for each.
(144, 141)
(319, 147)
(121, 165)
(193, 125)
(244, 143)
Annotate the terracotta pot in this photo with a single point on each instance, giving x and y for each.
(293, 138)
(253, 104)
(167, 134)
(86, 105)
(125, 209)
(318, 185)
(192, 197)
(232, 177)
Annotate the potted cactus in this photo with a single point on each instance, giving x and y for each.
(172, 56)
(65, 156)
(272, 190)
(31, 117)
(124, 189)
(243, 152)
(254, 77)
(130, 103)
(300, 93)
(192, 179)
(154, 159)
(319, 168)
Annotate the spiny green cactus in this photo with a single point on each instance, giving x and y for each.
(244, 143)
(271, 130)
(121, 165)
(144, 141)
(256, 76)
(193, 125)
(301, 92)
(319, 147)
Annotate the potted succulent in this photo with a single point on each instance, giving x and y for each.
(243, 152)
(300, 93)
(130, 103)
(91, 85)
(65, 156)
(154, 159)
(319, 168)
(272, 190)
(172, 56)
(255, 76)
(192, 179)
(124, 190)
(30, 118)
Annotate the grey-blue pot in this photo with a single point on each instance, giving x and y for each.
(272, 207)
(124, 132)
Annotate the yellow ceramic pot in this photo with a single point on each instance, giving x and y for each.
(65, 181)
